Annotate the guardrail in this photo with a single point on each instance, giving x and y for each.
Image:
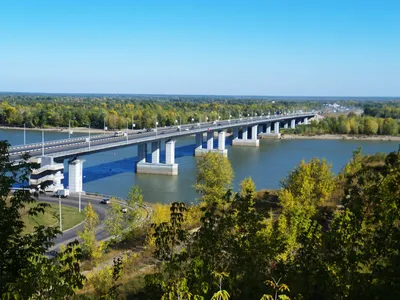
(204, 127)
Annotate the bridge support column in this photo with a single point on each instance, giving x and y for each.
(268, 128)
(235, 134)
(75, 175)
(254, 132)
(293, 124)
(210, 145)
(305, 121)
(286, 125)
(155, 152)
(244, 141)
(142, 152)
(210, 140)
(169, 168)
(244, 133)
(275, 135)
(276, 127)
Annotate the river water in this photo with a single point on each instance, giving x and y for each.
(112, 172)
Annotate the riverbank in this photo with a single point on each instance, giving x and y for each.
(387, 138)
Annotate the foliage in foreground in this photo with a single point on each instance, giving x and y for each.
(319, 251)
(25, 270)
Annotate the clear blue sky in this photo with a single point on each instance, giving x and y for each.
(324, 47)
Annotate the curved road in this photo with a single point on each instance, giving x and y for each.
(71, 234)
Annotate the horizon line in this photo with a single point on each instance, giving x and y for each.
(192, 95)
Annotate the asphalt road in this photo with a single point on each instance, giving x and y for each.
(81, 143)
(71, 234)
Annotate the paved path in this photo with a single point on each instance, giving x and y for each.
(71, 234)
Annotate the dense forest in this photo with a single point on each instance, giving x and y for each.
(321, 236)
(383, 110)
(118, 112)
(350, 124)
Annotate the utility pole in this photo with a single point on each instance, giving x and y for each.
(59, 204)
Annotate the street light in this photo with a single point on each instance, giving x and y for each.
(42, 142)
(59, 204)
(127, 135)
(80, 209)
(156, 126)
(69, 129)
(24, 134)
(89, 136)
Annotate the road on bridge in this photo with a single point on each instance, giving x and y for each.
(63, 148)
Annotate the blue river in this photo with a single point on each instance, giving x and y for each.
(112, 172)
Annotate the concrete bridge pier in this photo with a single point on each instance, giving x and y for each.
(276, 127)
(244, 133)
(155, 167)
(235, 133)
(75, 175)
(244, 141)
(293, 124)
(268, 130)
(286, 125)
(305, 122)
(260, 129)
(199, 151)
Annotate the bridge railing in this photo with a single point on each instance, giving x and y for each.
(176, 134)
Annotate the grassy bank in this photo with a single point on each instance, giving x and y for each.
(70, 217)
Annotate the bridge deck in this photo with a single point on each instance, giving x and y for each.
(79, 146)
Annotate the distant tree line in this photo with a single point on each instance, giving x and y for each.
(383, 110)
(120, 112)
(350, 124)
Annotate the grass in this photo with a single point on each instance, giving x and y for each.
(70, 217)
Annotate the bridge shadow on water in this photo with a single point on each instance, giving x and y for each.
(127, 165)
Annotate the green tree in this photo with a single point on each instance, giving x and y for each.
(214, 177)
(135, 203)
(114, 222)
(91, 247)
(390, 127)
(25, 270)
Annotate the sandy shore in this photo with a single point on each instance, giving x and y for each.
(340, 137)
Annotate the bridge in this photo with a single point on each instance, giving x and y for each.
(245, 132)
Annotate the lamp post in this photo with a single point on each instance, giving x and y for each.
(180, 124)
(89, 136)
(127, 135)
(69, 129)
(156, 126)
(80, 208)
(42, 142)
(24, 134)
(59, 205)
